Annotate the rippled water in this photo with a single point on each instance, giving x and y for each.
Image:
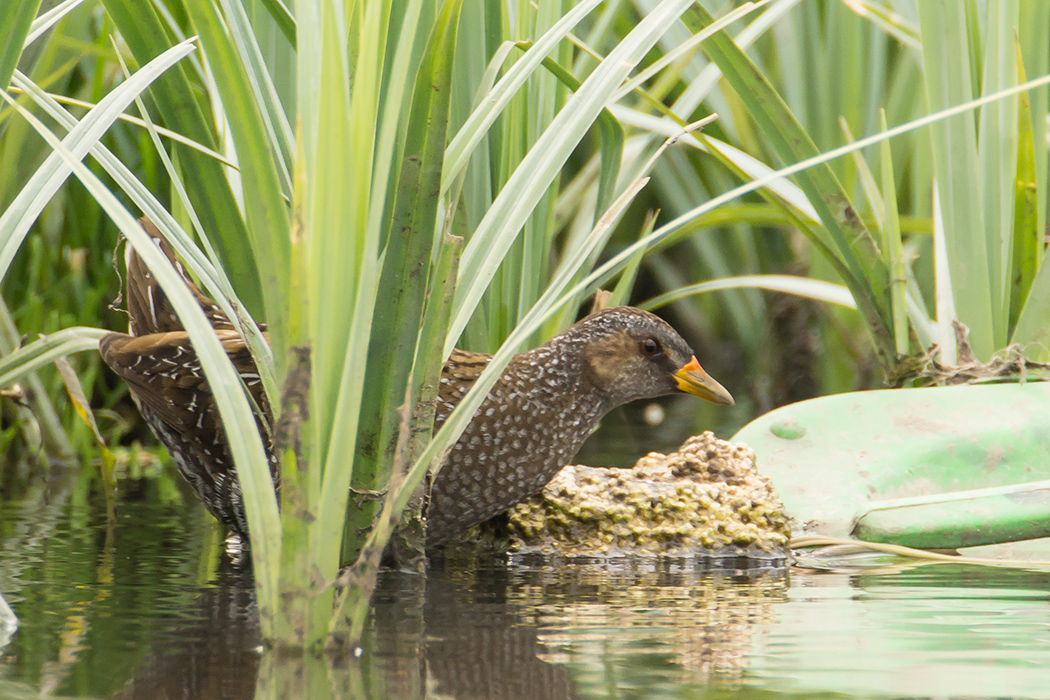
(149, 609)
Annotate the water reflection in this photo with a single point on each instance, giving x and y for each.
(947, 631)
(701, 622)
(215, 652)
(146, 610)
(569, 631)
(492, 632)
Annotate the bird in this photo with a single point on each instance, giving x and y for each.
(163, 373)
(544, 405)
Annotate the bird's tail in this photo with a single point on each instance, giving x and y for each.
(149, 309)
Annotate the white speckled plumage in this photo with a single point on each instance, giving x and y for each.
(537, 416)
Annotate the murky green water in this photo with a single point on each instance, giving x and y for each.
(148, 609)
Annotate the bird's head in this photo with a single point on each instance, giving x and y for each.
(631, 354)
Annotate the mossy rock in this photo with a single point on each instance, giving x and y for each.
(706, 499)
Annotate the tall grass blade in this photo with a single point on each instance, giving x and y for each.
(972, 259)
(278, 130)
(16, 21)
(47, 19)
(182, 106)
(260, 157)
(283, 18)
(31, 357)
(1034, 44)
(30, 201)
(407, 280)
(894, 248)
(997, 148)
(1028, 237)
(818, 290)
(944, 289)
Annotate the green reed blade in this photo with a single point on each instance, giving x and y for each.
(16, 21)
(30, 201)
(179, 98)
(266, 214)
(947, 64)
(894, 248)
(406, 281)
(42, 352)
(818, 290)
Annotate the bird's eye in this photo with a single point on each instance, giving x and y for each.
(650, 347)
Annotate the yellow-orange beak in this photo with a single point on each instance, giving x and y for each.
(692, 379)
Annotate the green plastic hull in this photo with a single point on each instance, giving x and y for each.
(934, 468)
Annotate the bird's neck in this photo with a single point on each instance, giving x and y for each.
(558, 380)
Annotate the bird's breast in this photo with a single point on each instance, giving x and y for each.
(524, 432)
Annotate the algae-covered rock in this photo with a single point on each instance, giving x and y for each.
(706, 498)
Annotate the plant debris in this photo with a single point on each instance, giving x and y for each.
(1009, 364)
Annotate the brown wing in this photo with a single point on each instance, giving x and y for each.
(460, 372)
(164, 373)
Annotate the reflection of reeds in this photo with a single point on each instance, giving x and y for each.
(89, 597)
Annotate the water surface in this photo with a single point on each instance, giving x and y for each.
(149, 608)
